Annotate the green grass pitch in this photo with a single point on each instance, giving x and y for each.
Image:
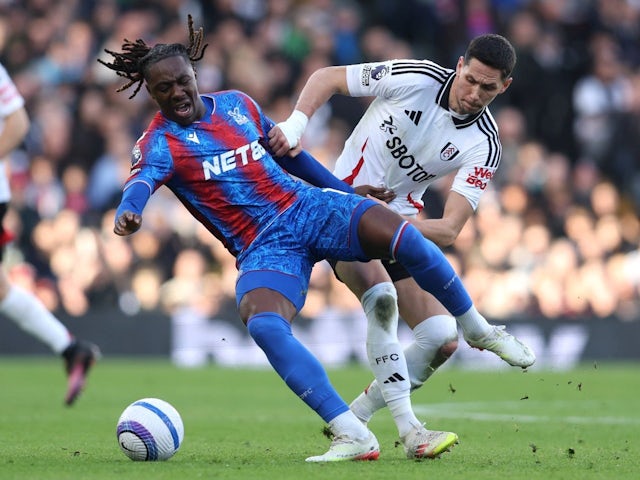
(245, 424)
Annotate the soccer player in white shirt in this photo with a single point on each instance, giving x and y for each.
(426, 122)
(16, 303)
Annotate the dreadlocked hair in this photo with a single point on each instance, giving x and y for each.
(136, 57)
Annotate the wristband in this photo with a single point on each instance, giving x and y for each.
(293, 127)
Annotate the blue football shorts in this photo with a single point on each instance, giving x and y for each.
(320, 224)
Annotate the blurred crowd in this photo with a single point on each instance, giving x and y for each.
(557, 235)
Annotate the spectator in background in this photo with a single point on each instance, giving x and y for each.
(545, 74)
(601, 101)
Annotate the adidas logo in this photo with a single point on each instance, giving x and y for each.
(396, 377)
(413, 115)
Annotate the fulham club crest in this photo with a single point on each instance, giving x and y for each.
(449, 152)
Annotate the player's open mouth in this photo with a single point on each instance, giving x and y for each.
(183, 109)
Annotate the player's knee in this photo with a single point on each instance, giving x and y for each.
(382, 301)
(266, 328)
(438, 331)
(386, 308)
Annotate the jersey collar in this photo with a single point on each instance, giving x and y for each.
(209, 105)
(442, 99)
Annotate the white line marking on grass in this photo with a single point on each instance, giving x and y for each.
(480, 411)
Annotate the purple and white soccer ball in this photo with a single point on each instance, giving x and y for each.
(150, 429)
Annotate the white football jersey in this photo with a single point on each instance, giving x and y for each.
(10, 101)
(408, 138)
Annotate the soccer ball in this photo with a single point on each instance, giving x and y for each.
(150, 429)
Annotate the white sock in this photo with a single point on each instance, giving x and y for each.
(385, 353)
(429, 335)
(348, 424)
(28, 312)
(473, 324)
(368, 402)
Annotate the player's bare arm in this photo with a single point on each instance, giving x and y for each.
(320, 87)
(444, 231)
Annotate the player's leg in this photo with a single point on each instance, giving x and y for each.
(380, 229)
(417, 305)
(25, 310)
(371, 284)
(384, 234)
(357, 229)
(435, 340)
(267, 314)
(28, 313)
(422, 358)
(434, 329)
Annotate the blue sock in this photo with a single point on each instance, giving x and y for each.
(430, 268)
(296, 365)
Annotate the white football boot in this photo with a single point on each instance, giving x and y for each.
(344, 448)
(422, 443)
(506, 346)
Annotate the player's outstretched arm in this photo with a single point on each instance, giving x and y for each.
(129, 213)
(306, 167)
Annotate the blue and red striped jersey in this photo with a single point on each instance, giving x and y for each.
(218, 167)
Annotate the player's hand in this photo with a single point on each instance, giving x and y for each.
(127, 223)
(278, 142)
(378, 193)
(286, 135)
(279, 145)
